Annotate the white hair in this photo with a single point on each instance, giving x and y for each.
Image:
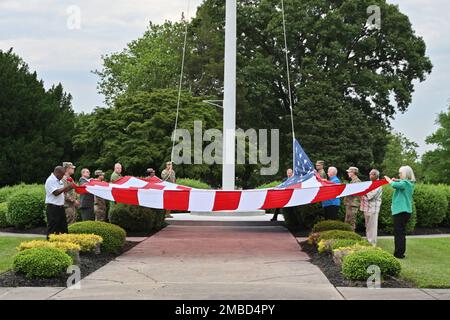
(408, 173)
(377, 173)
(333, 169)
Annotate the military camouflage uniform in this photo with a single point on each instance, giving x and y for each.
(352, 204)
(115, 176)
(70, 198)
(322, 174)
(100, 209)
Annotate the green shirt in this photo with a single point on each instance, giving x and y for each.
(402, 200)
(115, 176)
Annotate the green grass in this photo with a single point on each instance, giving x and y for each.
(8, 250)
(427, 262)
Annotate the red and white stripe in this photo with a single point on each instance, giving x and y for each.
(158, 194)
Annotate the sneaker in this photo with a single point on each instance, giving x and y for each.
(169, 216)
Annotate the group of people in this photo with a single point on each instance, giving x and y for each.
(370, 203)
(62, 201)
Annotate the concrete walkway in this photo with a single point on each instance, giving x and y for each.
(209, 262)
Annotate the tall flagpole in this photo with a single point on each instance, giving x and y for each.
(229, 103)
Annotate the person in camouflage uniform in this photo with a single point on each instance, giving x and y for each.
(117, 174)
(320, 169)
(100, 207)
(70, 198)
(352, 203)
(168, 174)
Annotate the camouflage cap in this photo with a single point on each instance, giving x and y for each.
(320, 162)
(150, 170)
(353, 169)
(99, 173)
(68, 165)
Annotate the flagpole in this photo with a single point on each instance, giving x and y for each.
(229, 100)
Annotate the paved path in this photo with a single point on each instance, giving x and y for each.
(209, 262)
(228, 261)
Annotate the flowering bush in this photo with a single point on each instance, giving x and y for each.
(86, 242)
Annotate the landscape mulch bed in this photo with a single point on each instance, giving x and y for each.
(88, 264)
(333, 272)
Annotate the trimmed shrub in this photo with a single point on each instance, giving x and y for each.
(340, 253)
(65, 246)
(431, 205)
(6, 192)
(385, 221)
(193, 183)
(354, 266)
(26, 208)
(272, 184)
(446, 190)
(332, 244)
(3, 211)
(339, 234)
(86, 242)
(342, 243)
(113, 236)
(331, 225)
(42, 262)
(136, 218)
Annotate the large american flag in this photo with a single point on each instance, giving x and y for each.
(304, 187)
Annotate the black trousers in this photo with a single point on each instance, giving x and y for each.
(87, 214)
(331, 212)
(276, 212)
(400, 221)
(56, 219)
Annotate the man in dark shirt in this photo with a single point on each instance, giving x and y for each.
(87, 199)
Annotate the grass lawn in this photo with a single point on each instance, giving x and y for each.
(427, 262)
(8, 250)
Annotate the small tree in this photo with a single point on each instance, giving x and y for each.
(436, 163)
(400, 151)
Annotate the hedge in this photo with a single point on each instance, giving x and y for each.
(193, 183)
(86, 242)
(113, 236)
(42, 262)
(65, 246)
(446, 189)
(431, 205)
(136, 218)
(331, 225)
(3, 211)
(26, 208)
(338, 234)
(354, 265)
(272, 184)
(8, 191)
(305, 216)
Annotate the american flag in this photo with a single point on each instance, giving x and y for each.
(303, 168)
(304, 187)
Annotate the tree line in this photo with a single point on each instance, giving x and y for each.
(348, 81)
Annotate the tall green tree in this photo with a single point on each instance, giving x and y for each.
(400, 151)
(344, 72)
(136, 132)
(436, 163)
(36, 125)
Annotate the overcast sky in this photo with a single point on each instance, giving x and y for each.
(38, 30)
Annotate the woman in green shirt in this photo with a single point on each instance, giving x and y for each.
(402, 203)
